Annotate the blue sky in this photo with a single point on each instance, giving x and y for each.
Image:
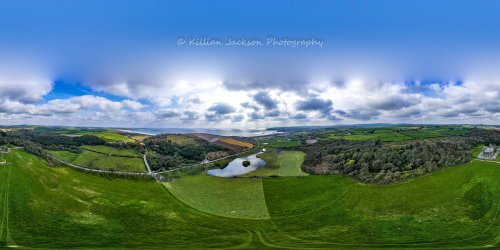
(118, 63)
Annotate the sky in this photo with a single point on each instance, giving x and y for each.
(168, 63)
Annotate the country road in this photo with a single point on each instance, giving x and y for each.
(150, 173)
(146, 162)
(96, 170)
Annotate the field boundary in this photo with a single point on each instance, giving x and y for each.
(202, 163)
(97, 170)
(111, 154)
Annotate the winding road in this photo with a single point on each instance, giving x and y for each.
(150, 173)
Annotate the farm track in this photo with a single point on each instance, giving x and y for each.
(5, 238)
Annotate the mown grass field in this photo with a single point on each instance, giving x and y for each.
(64, 155)
(290, 163)
(99, 148)
(272, 167)
(107, 162)
(237, 198)
(284, 163)
(43, 207)
(109, 136)
(113, 151)
(452, 207)
(126, 152)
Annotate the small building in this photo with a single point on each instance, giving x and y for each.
(489, 152)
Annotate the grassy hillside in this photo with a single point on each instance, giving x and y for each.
(64, 155)
(237, 198)
(43, 207)
(456, 206)
(106, 161)
(113, 151)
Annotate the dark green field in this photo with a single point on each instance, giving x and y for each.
(394, 133)
(113, 151)
(284, 163)
(64, 155)
(43, 207)
(106, 162)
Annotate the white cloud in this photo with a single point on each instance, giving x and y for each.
(134, 105)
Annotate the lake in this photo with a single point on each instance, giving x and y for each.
(236, 167)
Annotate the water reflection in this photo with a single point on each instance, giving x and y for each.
(236, 167)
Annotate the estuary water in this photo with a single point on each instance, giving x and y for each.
(236, 167)
(214, 131)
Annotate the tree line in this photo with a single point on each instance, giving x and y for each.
(167, 154)
(372, 161)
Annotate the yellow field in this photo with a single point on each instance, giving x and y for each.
(139, 137)
(238, 143)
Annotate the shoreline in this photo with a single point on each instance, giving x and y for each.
(204, 132)
(134, 132)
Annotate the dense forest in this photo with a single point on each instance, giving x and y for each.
(372, 161)
(29, 146)
(166, 153)
(49, 139)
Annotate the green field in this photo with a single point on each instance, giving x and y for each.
(422, 134)
(454, 132)
(69, 132)
(290, 163)
(390, 134)
(109, 136)
(354, 137)
(477, 150)
(382, 131)
(106, 161)
(340, 211)
(113, 151)
(64, 155)
(99, 148)
(132, 152)
(237, 198)
(279, 142)
(284, 163)
(44, 207)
